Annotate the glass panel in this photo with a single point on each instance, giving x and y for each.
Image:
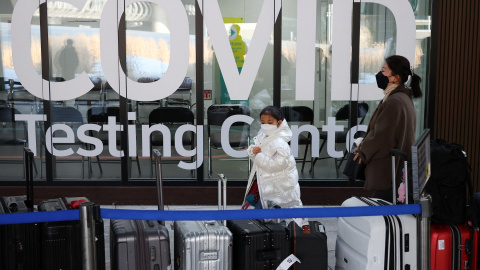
(297, 112)
(73, 31)
(241, 20)
(423, 24)
(149, 55)
(14, 98)
(378, 32)
(377, 41)
(74, 46)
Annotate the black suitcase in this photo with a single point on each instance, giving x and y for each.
(258, 245)
(18, 242)
(61, 241)
(311, 249)
(18, 246)
(141, 244)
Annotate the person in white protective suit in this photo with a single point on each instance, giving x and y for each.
(273, 181)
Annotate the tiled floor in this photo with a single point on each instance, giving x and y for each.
(329, 223)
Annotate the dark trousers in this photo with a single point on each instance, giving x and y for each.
(259, 204)
(385, 195)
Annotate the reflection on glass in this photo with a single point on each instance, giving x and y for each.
(74, 45)
(148, 55)
(15, 100)
(378, 37)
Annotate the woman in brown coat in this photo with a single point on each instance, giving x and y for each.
(392, 125)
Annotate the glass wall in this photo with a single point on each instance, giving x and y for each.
(117, 81)
(149, 54)
(74, 48)
(15, 99)
(240, 23)
(377, 40)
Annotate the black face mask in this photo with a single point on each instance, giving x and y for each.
(382, 80)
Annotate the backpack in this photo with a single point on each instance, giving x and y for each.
(450, 177)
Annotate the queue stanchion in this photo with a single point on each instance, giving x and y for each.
(423, 248)
(87, 228)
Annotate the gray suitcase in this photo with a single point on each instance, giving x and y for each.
(203, 245)
(141, 244)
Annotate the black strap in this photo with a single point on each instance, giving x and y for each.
(471, 208)
(29, 177)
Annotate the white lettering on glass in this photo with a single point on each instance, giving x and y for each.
(179, 52)
(112, 128)
(240, 85)
(225, 131)
(306, 32)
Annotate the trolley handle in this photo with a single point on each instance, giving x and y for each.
(396, 152)
(159, 179)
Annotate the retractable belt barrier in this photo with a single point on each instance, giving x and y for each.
(324, 212)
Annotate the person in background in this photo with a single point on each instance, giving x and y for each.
(68, 60)
(273, 181)
(392, 125)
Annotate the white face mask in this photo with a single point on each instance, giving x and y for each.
(268, 129)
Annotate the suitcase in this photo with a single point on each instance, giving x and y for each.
(141, 244)
(18, 248)
(310, 249)
(453, 247)
(18, 242)
(205, 245)
(61, 246)
(377, 242)
(475, 249)
(258, 245)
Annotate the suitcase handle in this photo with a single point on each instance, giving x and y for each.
(222, 181)
(28, 155)
(158, 176)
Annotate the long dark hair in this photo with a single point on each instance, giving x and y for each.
(273, 111)
(401, 66)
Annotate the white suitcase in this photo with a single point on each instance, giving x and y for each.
(203, 245)
(376, 242)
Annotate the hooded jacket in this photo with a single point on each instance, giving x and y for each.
(392, 126)
(275, 166)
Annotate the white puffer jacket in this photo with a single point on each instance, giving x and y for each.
(277, 175)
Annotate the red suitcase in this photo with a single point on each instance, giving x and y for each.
(475, 250)
(451, 247)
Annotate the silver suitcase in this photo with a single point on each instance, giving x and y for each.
(202, 245)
